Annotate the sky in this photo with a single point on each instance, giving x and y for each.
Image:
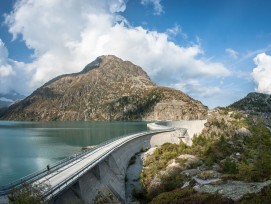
(215, 51)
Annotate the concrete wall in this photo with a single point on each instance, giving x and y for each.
(106, 181)
(194, 127)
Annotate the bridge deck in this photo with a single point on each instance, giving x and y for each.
(59, 178)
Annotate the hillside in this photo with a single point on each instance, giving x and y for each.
(258, 104)
(229, 162)
(106, 89)
(254, 102)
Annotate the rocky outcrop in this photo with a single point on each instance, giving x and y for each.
(254, 102)
(258, 104)
(106, 89)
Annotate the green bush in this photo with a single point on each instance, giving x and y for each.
(230, 166)
(132, 160)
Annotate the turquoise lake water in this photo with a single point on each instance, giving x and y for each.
(26, 147)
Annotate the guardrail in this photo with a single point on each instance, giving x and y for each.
(74, 177)
(6, 189)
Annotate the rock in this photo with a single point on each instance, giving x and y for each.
(243, 132)
(259, 104)
(209, 174)
(206, 181)
(216, 167)
(233, 189)
(254, 102)
(191, 172)
(155, 183)
(186, 184)
(106, 89)
(149, 152)
(189, 161)
(172, 164)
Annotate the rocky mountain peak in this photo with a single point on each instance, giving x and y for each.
(254, 102)
(110, 63)
(106, 89)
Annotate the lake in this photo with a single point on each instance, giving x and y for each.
(26, 147)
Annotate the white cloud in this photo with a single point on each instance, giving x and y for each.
(262, 73)
(12, 75)
(197, 88)
(176, 30)
(158, 8)
(6, 70)
(232, 53)
(66, 37)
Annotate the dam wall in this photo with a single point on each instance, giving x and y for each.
(105, 183)
(193, 127)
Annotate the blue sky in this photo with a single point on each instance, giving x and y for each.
(215, 51)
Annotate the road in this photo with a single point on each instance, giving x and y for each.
(67, 175)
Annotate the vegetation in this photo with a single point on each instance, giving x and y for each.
(189, 196)
(28, 194)
(159, 160)
(102, 198)
(142, 105)
(255, 102)
(237, 144)
(132, 160)
(264, 197)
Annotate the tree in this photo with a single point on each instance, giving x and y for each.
(28, 194)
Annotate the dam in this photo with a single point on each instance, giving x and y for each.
(102, 170)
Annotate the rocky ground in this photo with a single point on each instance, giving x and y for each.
(231, 159)
(199, 177)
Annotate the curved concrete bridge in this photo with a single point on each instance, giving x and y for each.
(102, 171)
(99, 172)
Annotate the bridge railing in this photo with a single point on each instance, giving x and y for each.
(6, 189)
(72, 178)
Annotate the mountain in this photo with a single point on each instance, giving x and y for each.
(8, 98)
(106, 89)
(258, 105)
(254, 102)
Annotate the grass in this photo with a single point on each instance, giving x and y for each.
(218, 144)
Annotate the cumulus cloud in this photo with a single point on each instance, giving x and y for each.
(5, 69)
(262, 73)
(66, 37)
(158, 8)
(232, 53)
(196, 87)
(9, 80)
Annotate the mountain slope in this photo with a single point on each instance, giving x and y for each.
(9, 98)
(106, 89)
(254, 102)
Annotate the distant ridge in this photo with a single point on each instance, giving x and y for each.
(254, 102)
(8, 98)
(106, 89)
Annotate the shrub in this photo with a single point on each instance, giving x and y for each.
(230, 166)
(132, 160)
(28, 194)
(189, 196)
(263, 197)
